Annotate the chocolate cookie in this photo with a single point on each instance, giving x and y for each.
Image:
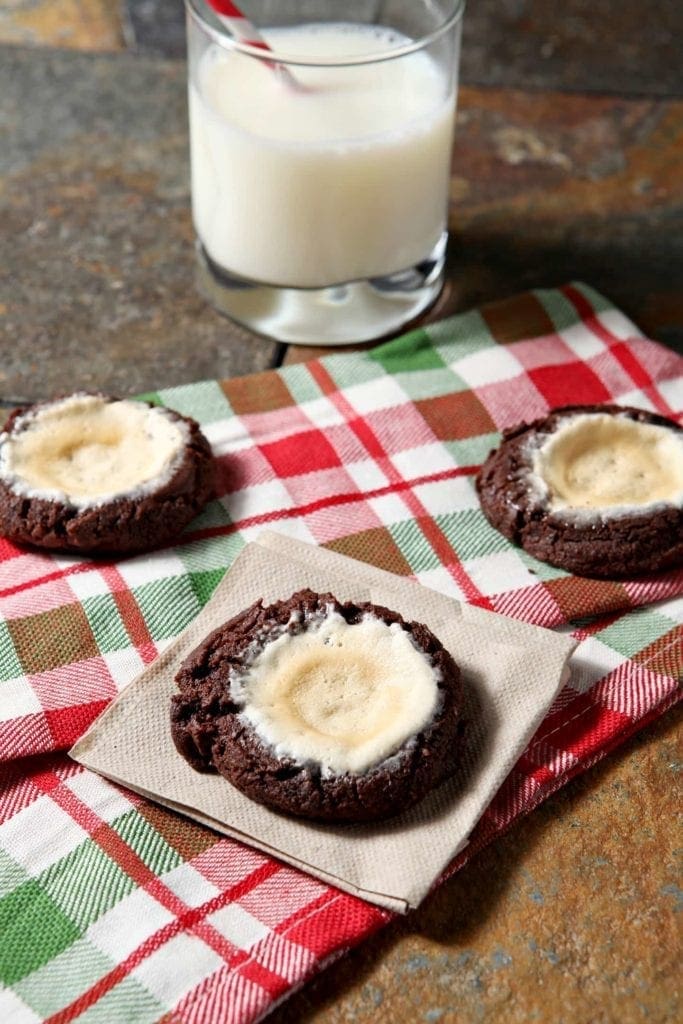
(325, 710)
(91, 473)
(594, 489)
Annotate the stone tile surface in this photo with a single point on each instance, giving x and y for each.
(71, 24)
(614, 46)
(572, 918)
(97, 287)
(617, 46)
(551, 186)
(158, 26)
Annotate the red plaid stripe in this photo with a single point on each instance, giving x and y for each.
(373, 446)
(308, 471)
(307, 477)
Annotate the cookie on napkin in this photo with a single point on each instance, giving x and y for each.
(511, 674)
(329, 710)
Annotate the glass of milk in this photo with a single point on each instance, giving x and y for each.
(320, 170)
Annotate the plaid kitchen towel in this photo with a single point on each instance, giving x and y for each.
(113, 909)
(372, 455)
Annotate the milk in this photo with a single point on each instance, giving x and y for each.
(339, 177)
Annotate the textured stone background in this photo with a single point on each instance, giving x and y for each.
(567, 164)
(572, 918)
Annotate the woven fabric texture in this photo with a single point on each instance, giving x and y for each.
(114, 909)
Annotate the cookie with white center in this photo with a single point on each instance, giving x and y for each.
(321, 709)
(593, 489)
(92, 473)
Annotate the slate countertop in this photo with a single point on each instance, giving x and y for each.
(567, 164)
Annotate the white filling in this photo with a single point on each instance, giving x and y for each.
(84, 451)
(345, 697)
(598, 464)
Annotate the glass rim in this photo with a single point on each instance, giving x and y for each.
(298, 60)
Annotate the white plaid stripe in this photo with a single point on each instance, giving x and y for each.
(14, 1010)
(131, 921)
(39, 835)
(186, 968)
(176, 968)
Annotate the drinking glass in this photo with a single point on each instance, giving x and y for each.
(320, 168)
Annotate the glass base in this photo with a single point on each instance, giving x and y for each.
(339, 315)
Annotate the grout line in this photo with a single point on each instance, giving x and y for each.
(279, 356)
(127, 27)
(137, 50)
(587, 91)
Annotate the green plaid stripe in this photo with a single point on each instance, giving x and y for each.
(637, 631)
(121, 890)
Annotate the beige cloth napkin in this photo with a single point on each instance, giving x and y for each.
(512, 672)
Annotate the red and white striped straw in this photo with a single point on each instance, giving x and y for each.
(238, 25)
(241, 29)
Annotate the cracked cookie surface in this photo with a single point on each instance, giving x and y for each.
(321, 709)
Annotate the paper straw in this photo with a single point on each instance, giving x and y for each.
(238, 25)
(241, 29)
